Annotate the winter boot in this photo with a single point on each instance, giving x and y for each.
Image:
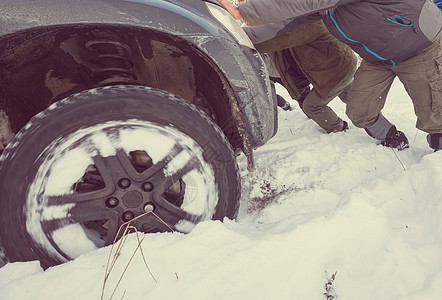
(395, 139)
(283, 103)
(435, 141)
(345, 127)
(387, 133)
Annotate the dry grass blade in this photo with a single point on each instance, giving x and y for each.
(125, 269)
(415, 136)
(163, 222)
(110, 264)
(395, 154)
(111, 261)
(123, 295)
(144, 259)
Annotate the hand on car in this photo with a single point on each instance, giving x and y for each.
(231, 8)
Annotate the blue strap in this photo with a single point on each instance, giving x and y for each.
(438, 3)
(351, 40)
(402, 24)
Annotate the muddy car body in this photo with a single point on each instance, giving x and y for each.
(79, 77)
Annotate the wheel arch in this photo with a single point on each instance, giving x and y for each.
(43, 65)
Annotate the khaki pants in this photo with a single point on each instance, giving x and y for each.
(421, 76)
(318, 110)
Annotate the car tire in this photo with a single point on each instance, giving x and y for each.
(71, 177)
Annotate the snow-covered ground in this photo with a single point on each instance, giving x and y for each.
(320, 208)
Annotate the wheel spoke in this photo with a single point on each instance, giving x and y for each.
(50, 226)
(79, 198)
(165, 209)
(192, 164)
(85, 213)
(173, 213)
(109, 188)
(163, 181)
(105, 173)
(90, 211)
(150, 224)
(82, 215)
(151, 171)
(163, 220)
(115, 167)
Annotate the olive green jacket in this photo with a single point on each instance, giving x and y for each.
(324, 60)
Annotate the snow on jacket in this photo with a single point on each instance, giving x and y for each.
(378, 30)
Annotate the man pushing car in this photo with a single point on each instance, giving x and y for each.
(394, 37)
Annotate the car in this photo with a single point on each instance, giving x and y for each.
(122, 113)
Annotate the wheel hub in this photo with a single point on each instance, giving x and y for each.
(132, 199)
